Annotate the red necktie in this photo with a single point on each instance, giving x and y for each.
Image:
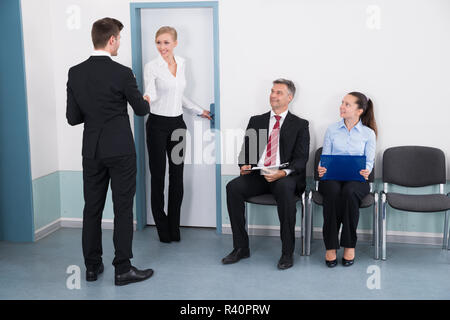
(272, 146)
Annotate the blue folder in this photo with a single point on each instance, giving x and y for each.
(343, 168)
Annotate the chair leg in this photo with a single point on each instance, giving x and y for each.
(309, 224)
(383, 226)
(303, 224)
(445, 238)
(376, 234)
(246, 217)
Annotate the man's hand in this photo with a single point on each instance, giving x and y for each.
(278, 174)
(245, 169)
(147, 98)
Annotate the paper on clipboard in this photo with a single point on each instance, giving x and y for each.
(281, 166)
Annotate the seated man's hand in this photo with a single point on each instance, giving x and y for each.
(245, 169)
(278, 174)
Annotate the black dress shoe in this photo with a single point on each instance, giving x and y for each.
(331, 264)
(347, 263)
(236, 255)
(134, 275)
(92, 273)
(286, 261)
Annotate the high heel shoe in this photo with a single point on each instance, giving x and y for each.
(331, 264)
(347, 263)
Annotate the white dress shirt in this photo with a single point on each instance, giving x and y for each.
(101, 53)
(165, 90)
(272, 122)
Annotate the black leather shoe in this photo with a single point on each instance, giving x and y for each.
(331, 264)
(236, 255)
(347, 263)
(92, 273)
(286, 261)
(134, 275)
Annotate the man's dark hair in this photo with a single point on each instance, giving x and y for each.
(103, 29)
(290, 85)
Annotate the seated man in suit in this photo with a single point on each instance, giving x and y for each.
(287, 142)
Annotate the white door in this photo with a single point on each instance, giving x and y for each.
(195, 43)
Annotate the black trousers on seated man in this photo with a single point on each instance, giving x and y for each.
(254, 184)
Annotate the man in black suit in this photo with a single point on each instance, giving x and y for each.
(273, 138)
(98, 90)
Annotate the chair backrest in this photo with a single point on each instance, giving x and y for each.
(317, 160)
(414, 166)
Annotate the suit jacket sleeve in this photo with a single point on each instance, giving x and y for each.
(134, 97)
(73, 112)
(244, 154)
(301, 150)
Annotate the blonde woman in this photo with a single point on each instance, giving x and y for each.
(165, 82)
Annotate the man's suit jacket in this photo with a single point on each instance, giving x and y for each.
(97, 93)
(293, 143)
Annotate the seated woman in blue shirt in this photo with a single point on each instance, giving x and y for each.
(355, 134)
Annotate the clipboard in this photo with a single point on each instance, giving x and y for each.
(281, 166)
(343, 167)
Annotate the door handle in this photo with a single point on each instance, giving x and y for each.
(212, 111)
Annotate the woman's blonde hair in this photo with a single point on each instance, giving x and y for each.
(167, 29)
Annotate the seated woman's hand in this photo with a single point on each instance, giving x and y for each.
(365, 173)
(321, 171)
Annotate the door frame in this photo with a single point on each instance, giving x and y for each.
(136, 50)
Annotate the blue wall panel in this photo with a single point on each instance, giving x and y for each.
(16, 203)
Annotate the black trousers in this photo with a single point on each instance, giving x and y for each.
(160, 132)
(254, 184)
(341, 201)
(97, 173)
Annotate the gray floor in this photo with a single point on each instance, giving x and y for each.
(191, 269)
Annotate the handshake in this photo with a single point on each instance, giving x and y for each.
(147, 98)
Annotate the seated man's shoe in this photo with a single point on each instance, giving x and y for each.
(134, 275)
(92, 273)
(331, 264)
(347, 263)
(236, 255)
(286, 261)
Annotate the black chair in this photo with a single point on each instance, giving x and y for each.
(269, 200)
(414, 166)
(370, 200)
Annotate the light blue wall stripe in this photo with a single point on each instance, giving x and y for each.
(46, 200)
(16, 198)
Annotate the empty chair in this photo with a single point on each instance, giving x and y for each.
(269, 200)
(413, 166)
(314, 196)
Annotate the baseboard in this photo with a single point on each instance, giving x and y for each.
(363, 235)
(46, 230)
(107, 224)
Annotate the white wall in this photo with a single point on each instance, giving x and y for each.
(327, 49)
(324, 46)
(39, 54)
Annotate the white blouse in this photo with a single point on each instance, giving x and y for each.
(165, 90)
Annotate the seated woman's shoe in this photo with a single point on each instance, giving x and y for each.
(331, 264)
(347, 263)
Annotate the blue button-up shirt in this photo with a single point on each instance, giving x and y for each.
(359, 141)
